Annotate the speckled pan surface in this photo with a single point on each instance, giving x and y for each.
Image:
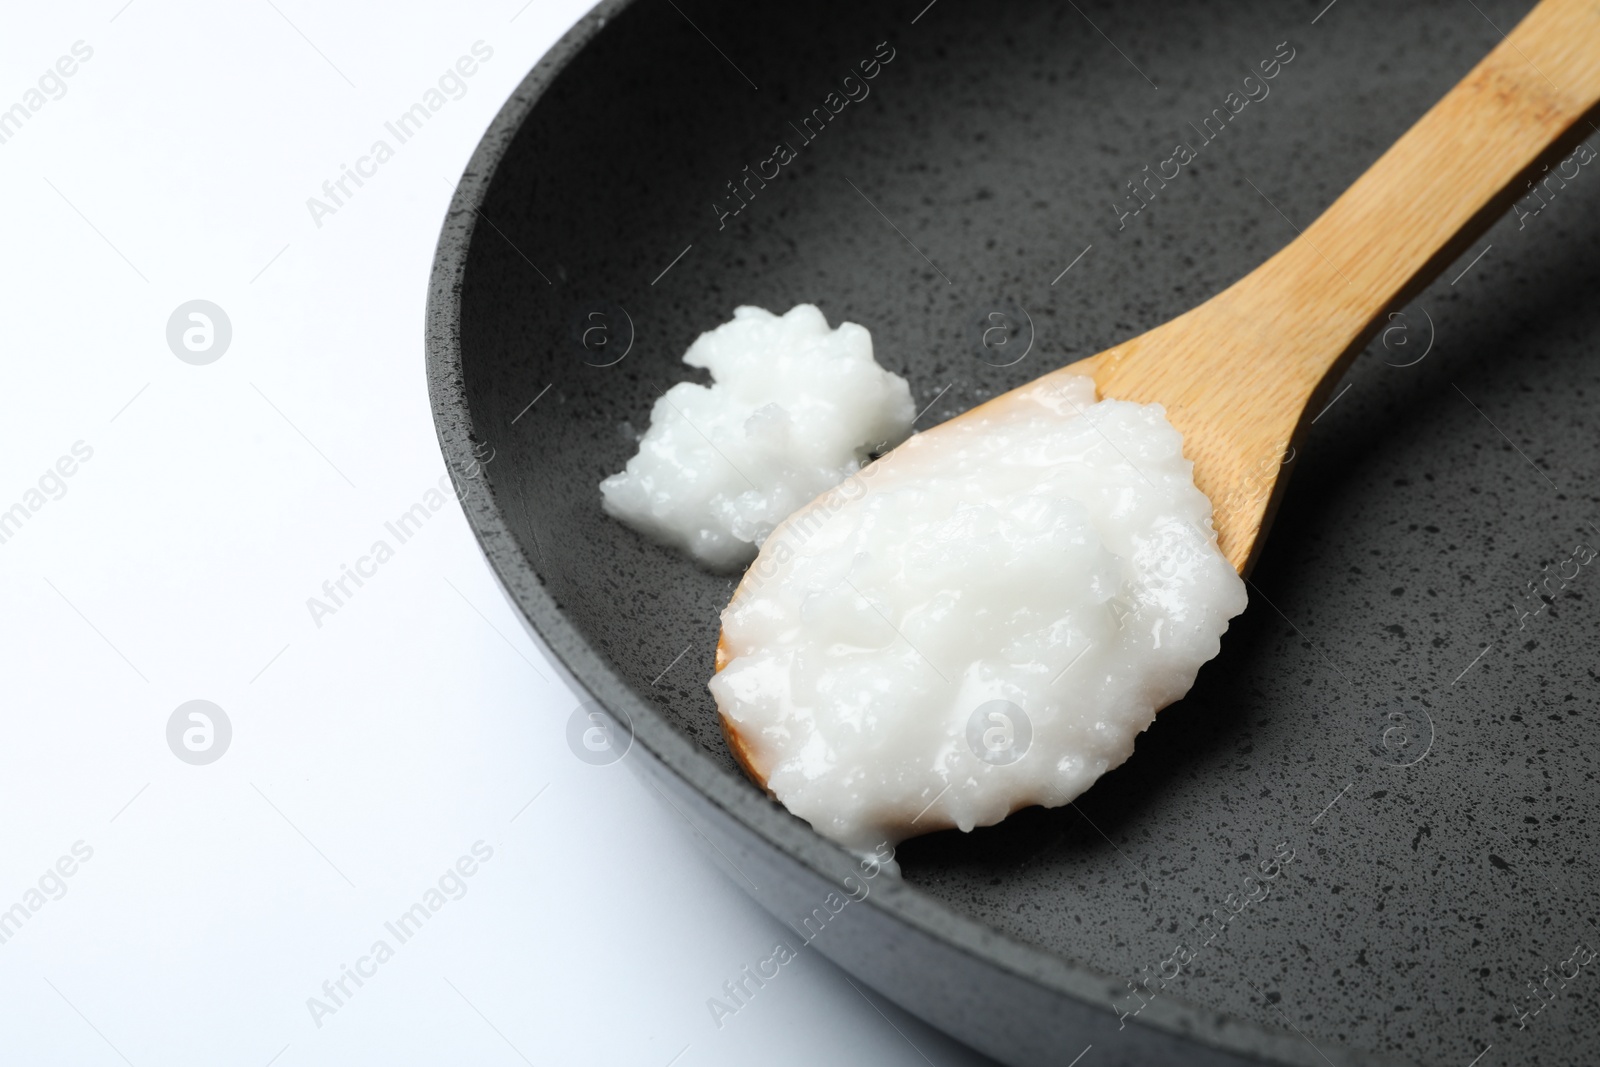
(1384, 712)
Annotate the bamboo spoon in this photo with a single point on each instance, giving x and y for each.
(1240, 374)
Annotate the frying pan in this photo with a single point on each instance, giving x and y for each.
(1368, 835)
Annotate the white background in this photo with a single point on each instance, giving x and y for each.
(367, 753)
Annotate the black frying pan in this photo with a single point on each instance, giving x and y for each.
(1385, 712)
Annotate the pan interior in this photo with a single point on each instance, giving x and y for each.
(1383, 713)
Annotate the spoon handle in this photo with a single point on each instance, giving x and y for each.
(1433, 193)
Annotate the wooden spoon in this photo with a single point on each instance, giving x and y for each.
(1242, 375)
